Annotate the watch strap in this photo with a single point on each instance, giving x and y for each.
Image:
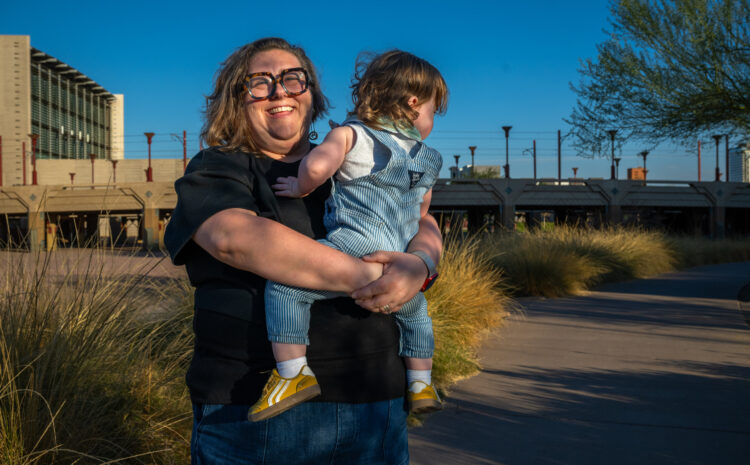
(431, 268)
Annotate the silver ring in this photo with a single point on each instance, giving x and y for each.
(386, 308)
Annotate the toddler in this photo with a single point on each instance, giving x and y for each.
(382, 187)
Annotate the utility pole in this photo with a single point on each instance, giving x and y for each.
(559, 156)
(472, 148)
(184, 147)
(507, 163)
(456, 157)
(533, 154)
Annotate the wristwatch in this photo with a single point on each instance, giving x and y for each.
(432, 273)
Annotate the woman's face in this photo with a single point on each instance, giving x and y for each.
(280, 122)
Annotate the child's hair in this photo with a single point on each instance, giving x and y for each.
(383, 84)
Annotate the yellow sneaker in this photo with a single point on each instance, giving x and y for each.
(423, 398)
(281, 394)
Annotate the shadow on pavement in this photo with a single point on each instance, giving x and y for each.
(723, 283)
(574, 417)
(642, 309)
(743, 300)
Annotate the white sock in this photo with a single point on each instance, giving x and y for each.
(291, 368)
(419, 375)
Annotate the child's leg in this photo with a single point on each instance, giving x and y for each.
(417, 345)
(417, 341)
(288, 322)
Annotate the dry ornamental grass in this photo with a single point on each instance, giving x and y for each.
(93, 355)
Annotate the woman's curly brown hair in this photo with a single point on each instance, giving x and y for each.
(383, 84)
(226, 124)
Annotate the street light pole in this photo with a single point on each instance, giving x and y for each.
(34, 138)
(507, 163)
(456, 157)
(644, 154)
(726, 148)
(23, 160)
(92, 156)
(612, 133)
(149, 172)
(717, 138)
(472, 148)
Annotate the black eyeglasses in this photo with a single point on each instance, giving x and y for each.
(261, 86)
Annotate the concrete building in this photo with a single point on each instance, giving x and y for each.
(63, 175)
(637, 173)
(739, 163)
(50, 111)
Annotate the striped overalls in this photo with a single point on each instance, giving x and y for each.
(379, 211)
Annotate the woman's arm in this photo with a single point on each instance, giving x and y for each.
(403, 273)
(269, 249)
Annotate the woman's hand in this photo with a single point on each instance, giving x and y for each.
(403, 277)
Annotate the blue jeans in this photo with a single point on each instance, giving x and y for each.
(310, 433)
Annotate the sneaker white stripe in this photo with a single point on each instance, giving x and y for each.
(283, 390)
(279, 385)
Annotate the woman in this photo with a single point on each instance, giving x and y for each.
(232, 234)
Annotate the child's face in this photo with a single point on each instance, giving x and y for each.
(426, 117)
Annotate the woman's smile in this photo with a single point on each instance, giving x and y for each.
(280, 111)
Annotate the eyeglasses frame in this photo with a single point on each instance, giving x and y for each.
(278, 79)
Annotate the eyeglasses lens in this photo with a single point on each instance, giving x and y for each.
(293, 81)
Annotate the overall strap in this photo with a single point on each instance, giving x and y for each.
(387, 140)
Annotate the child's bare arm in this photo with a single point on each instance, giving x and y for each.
(318, 165)
(425, 207)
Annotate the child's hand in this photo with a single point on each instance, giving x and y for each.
(287, 187)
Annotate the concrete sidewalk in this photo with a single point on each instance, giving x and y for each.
(655, 371)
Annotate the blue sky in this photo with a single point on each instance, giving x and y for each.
(506, 63)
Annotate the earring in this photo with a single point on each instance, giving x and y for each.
(312, 135)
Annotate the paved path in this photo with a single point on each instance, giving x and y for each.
(654, 371)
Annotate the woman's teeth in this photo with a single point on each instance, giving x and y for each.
(279, 109)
